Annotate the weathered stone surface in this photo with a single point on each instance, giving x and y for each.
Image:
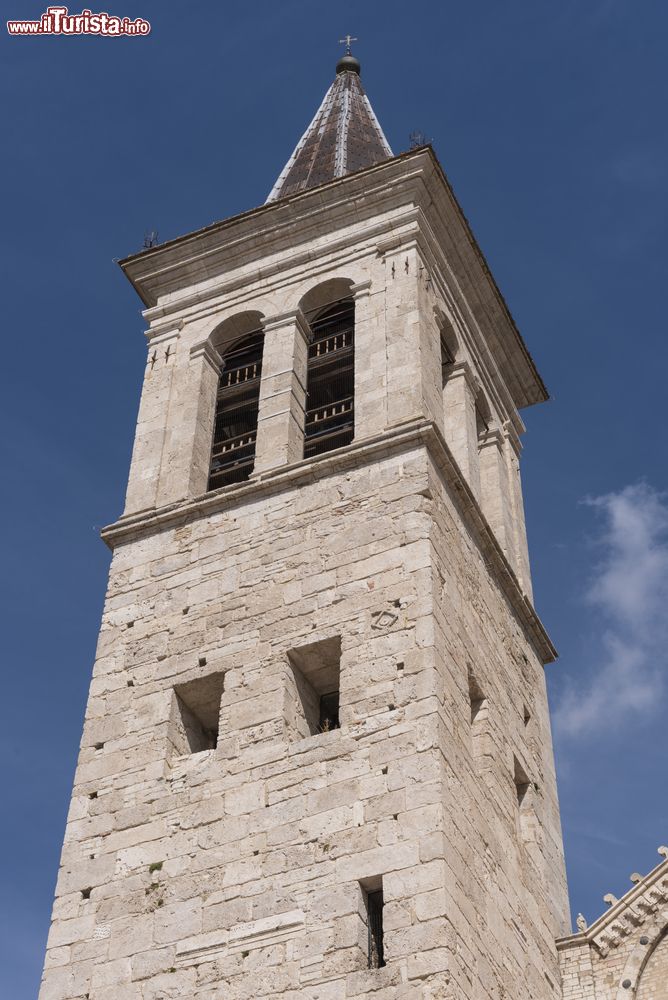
(240, 871)
(624, 953)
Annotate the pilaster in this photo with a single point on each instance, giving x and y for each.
(149, 443)
(412, 346)
(184, 468)
(512, 452)
(280, 426)
(461, 433)
(370, 360)
(495, 492)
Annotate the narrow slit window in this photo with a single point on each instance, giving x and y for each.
(447, 360)
(482, 418)
(329, 712)
(375, 943)
(522, 783)
(478, 716)
(525, 794)
(330, 381)
(237, 403)
(477, 700)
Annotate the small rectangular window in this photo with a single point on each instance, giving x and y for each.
(312, 703)
(195, 714)
(374, 911)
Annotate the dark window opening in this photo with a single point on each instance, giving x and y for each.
(447, 360)
(374, 911)
(235, 431)
(329, 712)
(330, 382)
(481, 420)
(476, 699)
(522, 790)
(522, 784)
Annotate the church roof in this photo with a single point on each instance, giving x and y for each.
(343, 137)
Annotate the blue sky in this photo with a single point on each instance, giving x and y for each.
(550, 122)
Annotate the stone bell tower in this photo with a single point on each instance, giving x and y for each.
(317, 762)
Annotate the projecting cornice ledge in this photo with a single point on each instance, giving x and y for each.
(644, 906)
(401, 438)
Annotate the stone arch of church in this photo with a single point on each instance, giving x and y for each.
(646, 969)
(239, 344)
(232, 330)
(325, 293)
(329, 418)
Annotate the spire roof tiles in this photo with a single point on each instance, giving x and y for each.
(343, 137)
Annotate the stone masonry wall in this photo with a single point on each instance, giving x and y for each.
(236, 872)
(506, 872)
(654, 979)
(624, 954)
(236, 865)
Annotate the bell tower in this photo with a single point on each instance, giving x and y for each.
(317, 761)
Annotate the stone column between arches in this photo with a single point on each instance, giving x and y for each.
(280, 425)
(370, 360)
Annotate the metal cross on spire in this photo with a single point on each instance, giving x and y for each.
(347, 41)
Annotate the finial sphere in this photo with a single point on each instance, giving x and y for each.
(348, 64)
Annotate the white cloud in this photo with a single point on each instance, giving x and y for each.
(629, 591)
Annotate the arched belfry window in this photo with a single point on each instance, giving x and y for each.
(235, 431)
(330, 382)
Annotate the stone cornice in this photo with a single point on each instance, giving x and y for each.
(448, 288)
(228, 246)
(365, 205)
(462, 369)
(201, 301)
(510, 430)
(481, 291)
(206, 350)
(163, 333)
(491, 438)
(361, 290)
(636, 907)
(294, 318)
(401, 438)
